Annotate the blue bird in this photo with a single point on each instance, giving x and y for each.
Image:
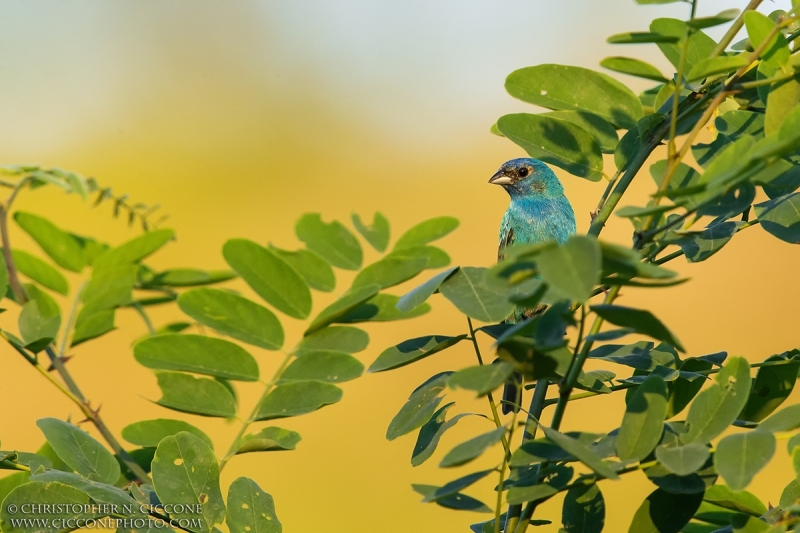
(538, 212)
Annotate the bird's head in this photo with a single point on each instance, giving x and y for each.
(527, 177)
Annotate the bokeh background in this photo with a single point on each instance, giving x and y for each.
(239, 116)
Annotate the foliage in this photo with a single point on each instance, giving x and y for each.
(679, 407)
(169, 472)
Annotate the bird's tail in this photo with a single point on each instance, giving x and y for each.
(512, 394)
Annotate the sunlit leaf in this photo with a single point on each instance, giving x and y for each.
(377, 233)
(186, 476)
(190, 277)
(781, 217)
(71, 504)
(341, 307)
(603, 131)
(576, 88)
(250, 509)
(134, 250)
(476, 296)
(683, 460)
(420, 294)
(771, 387)
(270, 276)
(644, 420)
(201, 396)
(419, 408)
(717, 65)
(148, 433)
(311, 266)
(759, 28)
(342, 338)
(323, 365)
(573, 268)
(640, 320)
(482, 379)
(633, 67)
(331, 240)
(715, 408)
(786, 419)
(91, 325)
(390, 271)
(40, 272)
(197, 353)
(580, 451)
(56, 243)
(431, 432)
(698, 47)
(555, 141)
(298, 398)
(457, 502)
(80, 450)
(427, 231)
(233, 315)
(456, 486)
(268, 439)
(39, 319)
(741, 456)
(642, 36)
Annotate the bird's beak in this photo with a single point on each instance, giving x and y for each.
(500, 179)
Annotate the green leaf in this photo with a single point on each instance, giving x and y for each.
(580, 451)
(39, 319)
(268, 440)
(664, 512)
(390, 271)
(190, 277)
(781, 217)
(331, 240)
(603, 131)
(638, 319)
(644, 420)
(741, 456)
(783, 98)
(328, 365)
(382, 308)
(431, 432)
(476, 296)
(419, 408)
(298, 398)
(109, 287)
(555, 141)
(471, 449)
(683, 460)
(99, 492)
(698, 47)
(738, 122)
(38, 494)
(436, 257)
(642, 37)
(715, 66)
(573, 268)
(56, 243)
(790, 494)
(201, 396)
(759, 27)
(786, 419)
(186, 472)
(311, 266)
(740, 501)
(341, 307)
(413, 350)
(342, 338)
(197, 353)
(722, 17)
(233, 315)
(633, 67)
(482, 379)
(420, 294)
(80, 451)
(134, 250)
(633, 211)
(584, 509)
(576, 88)
(250, 509)
(148, 433)
(271, 277)
(91, 325)
(457, 502)
(700, 245)
(456, 486)
(377, 233)
(40, 272)
(715, 408)
(426, 231)
(773, 384)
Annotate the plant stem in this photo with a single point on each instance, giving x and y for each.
(506, 458)
(490, 398)
(734, 29)
(234, 447)
(146, 319)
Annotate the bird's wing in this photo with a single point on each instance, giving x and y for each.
(506, 240)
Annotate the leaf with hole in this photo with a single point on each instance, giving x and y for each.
(331, 240)
(377, 233)
(250, 509)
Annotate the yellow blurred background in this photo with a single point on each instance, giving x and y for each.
(240, 116)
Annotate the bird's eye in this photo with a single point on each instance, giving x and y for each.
(523, 172)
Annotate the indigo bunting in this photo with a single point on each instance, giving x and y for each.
(538, 212)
